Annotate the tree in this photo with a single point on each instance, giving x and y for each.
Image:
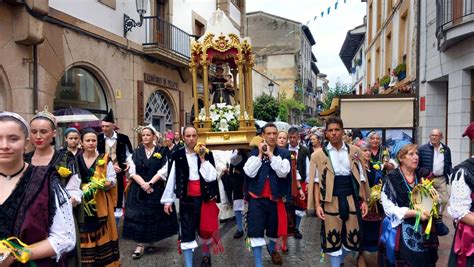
(290, 105)
(265, 108)
(340, 89)
(313, 122)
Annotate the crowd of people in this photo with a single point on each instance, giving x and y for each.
(62, 207)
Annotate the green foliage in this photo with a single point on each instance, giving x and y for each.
(340, 89)
(400, 68)
(265, 108)
(385, 80)
(290, 105)
(313, 122)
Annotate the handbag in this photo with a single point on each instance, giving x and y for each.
(388, 238)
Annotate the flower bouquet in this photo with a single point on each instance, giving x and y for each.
(224, 117)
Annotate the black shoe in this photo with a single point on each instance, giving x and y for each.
(441, 229)
(298, 235)
(206, 261)
(238, 234)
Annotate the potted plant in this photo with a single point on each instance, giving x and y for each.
(358, 62)
(385, 81)
(375, 88)
(400, 71)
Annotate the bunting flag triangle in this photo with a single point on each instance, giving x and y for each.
(335, 5)
(329, 10)
(322, 14)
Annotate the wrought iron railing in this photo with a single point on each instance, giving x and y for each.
(161, 33)
(452, 12)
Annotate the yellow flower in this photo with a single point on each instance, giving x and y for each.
(100, 162)
(376, 166)
(64, 172)
(157, 155)
(292, 157)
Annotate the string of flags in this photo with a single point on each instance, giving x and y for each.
(327, 11)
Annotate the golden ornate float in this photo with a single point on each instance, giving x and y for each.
(236, 54)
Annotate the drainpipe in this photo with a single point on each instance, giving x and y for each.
(35, 78)
(417, 79)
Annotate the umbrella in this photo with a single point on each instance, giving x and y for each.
(260, 123)
(282, 126)
(73, 114)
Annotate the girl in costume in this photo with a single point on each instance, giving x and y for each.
(61, 164)
(145, 219)
(99, 238)
(407, 237)
(72, 137)
(36, 221)
(461, 210)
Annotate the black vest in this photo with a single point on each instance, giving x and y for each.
(209, 190)
(123, 143)
(303, 154)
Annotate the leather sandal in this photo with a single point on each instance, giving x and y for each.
(138, 253)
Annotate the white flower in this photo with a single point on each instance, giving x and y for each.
(223, 126)
(213, 106)
(220, 105)
(202, 114)
(229, 115)
(214, 117)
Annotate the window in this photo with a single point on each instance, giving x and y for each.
(389, 7)
(369, 22)
(159, 112)
(388, 52)
(402, 36)
(80, 88)
(379, 15)
(199, 28)
(377, 64)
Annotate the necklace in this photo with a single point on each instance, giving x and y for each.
(405, 180)
(9, 177)
(148, 152)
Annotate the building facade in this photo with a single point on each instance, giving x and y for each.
(77, 54)
(446, 73)
(352, 55)
(391, 41)
(282, 50)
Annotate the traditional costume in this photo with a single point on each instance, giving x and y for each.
(299, 171)
(372, 221)
(403, 244)
(195, 184)
(341, 180)
(145, 220)
(237, 181)
(461, 204)
(267, 184)
(119, 149)
(99, 238)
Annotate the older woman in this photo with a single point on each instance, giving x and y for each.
(99, 238)
(413, 246)
(370, 223)
(145, 220)
(34, 207)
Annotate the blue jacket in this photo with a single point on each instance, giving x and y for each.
(426, 153)
(278, 186)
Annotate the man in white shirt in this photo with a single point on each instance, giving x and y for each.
(436, 157)
(338, 188)
(193, 179)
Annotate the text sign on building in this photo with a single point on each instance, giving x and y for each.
(153, 79)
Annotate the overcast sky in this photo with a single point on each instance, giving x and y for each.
(328, 31)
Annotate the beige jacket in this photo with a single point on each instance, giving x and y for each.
(320, 161)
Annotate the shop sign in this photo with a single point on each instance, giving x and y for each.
(153, 79)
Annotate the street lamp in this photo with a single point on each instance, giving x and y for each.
(270, 87)
(129, 23)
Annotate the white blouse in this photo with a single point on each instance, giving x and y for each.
(62, 234)
(460, 199)
(73, 187)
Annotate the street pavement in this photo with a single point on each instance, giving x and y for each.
(303, 252)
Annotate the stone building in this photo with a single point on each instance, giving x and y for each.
(446, 77)
(282, 50)
(352, 55)
(65, 53)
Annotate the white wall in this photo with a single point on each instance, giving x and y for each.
(183, 9)
(102, 16)
(260, 85)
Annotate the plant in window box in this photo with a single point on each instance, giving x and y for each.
(375, 88)
(385, 81)
(400, 71)
(358, 62)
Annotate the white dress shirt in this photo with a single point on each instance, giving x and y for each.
(112, 140)
(280, 166)
(340, 162)
(298, 176)
(438, 161)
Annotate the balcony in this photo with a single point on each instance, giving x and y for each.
(455, 22)
(166, 41)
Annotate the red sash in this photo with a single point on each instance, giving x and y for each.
(194, 188)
